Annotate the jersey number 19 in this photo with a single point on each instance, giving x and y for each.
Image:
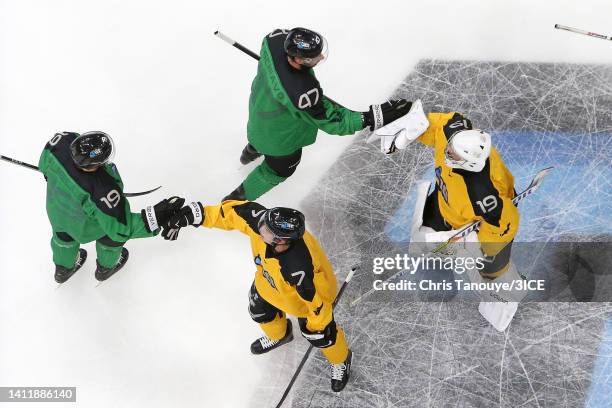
(112, 199)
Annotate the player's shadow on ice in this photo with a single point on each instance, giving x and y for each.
(586, 262)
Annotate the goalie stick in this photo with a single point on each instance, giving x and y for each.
(533, 186)
(32, 167)
(310, 347)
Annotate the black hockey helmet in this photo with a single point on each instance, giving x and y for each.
(92, 149)
(285, 223)
(306, 44)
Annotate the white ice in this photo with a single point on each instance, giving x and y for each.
(172, 328)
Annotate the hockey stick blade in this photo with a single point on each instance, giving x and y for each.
(310, 347)
(533, 186)
(142, 192)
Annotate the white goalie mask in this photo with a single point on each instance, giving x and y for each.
(471, 149)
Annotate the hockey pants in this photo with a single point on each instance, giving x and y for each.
(66, 249)
(270, 173)
(273, 322)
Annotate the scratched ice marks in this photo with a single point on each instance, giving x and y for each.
(413, 354)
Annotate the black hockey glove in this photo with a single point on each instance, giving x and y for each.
(191, 214)
(157, 216)
(319, 339)
(385, 113)
(169, 233)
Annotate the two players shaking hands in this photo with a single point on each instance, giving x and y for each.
(396, 123)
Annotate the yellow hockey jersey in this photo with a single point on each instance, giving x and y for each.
(299, 281)
(465, 196)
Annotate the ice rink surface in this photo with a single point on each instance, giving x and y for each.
(443, 353)
(172, 328)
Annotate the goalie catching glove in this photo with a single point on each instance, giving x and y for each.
(402, 131)
(385, 113)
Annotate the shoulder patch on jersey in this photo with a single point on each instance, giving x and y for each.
(250, 212)
(484, 197)
(455, 124)
(297, 269)
(301, 86)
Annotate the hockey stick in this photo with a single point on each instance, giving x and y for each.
(252, 54)
(142, 192)
(579, 31)
(310, 347)
(236, 44)
(533, 186)
(19, 163)
(32, 167)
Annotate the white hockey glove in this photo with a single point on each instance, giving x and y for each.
(402, 131)
(383, 114)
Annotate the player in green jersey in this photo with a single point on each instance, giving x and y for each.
(85, 203)
(287, 108)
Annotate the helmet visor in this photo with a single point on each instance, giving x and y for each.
(92, 149)
(311, 62)
(268, 236)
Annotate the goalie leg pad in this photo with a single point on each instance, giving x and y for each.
(499, 314)
(498, 265)
(421, 196)
(427, 231)
(511, 274)
(501, 311)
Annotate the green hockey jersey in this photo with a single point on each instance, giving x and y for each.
(87, 206)
(287, 105)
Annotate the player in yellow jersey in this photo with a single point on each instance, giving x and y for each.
(472, 184)
(293, 276)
